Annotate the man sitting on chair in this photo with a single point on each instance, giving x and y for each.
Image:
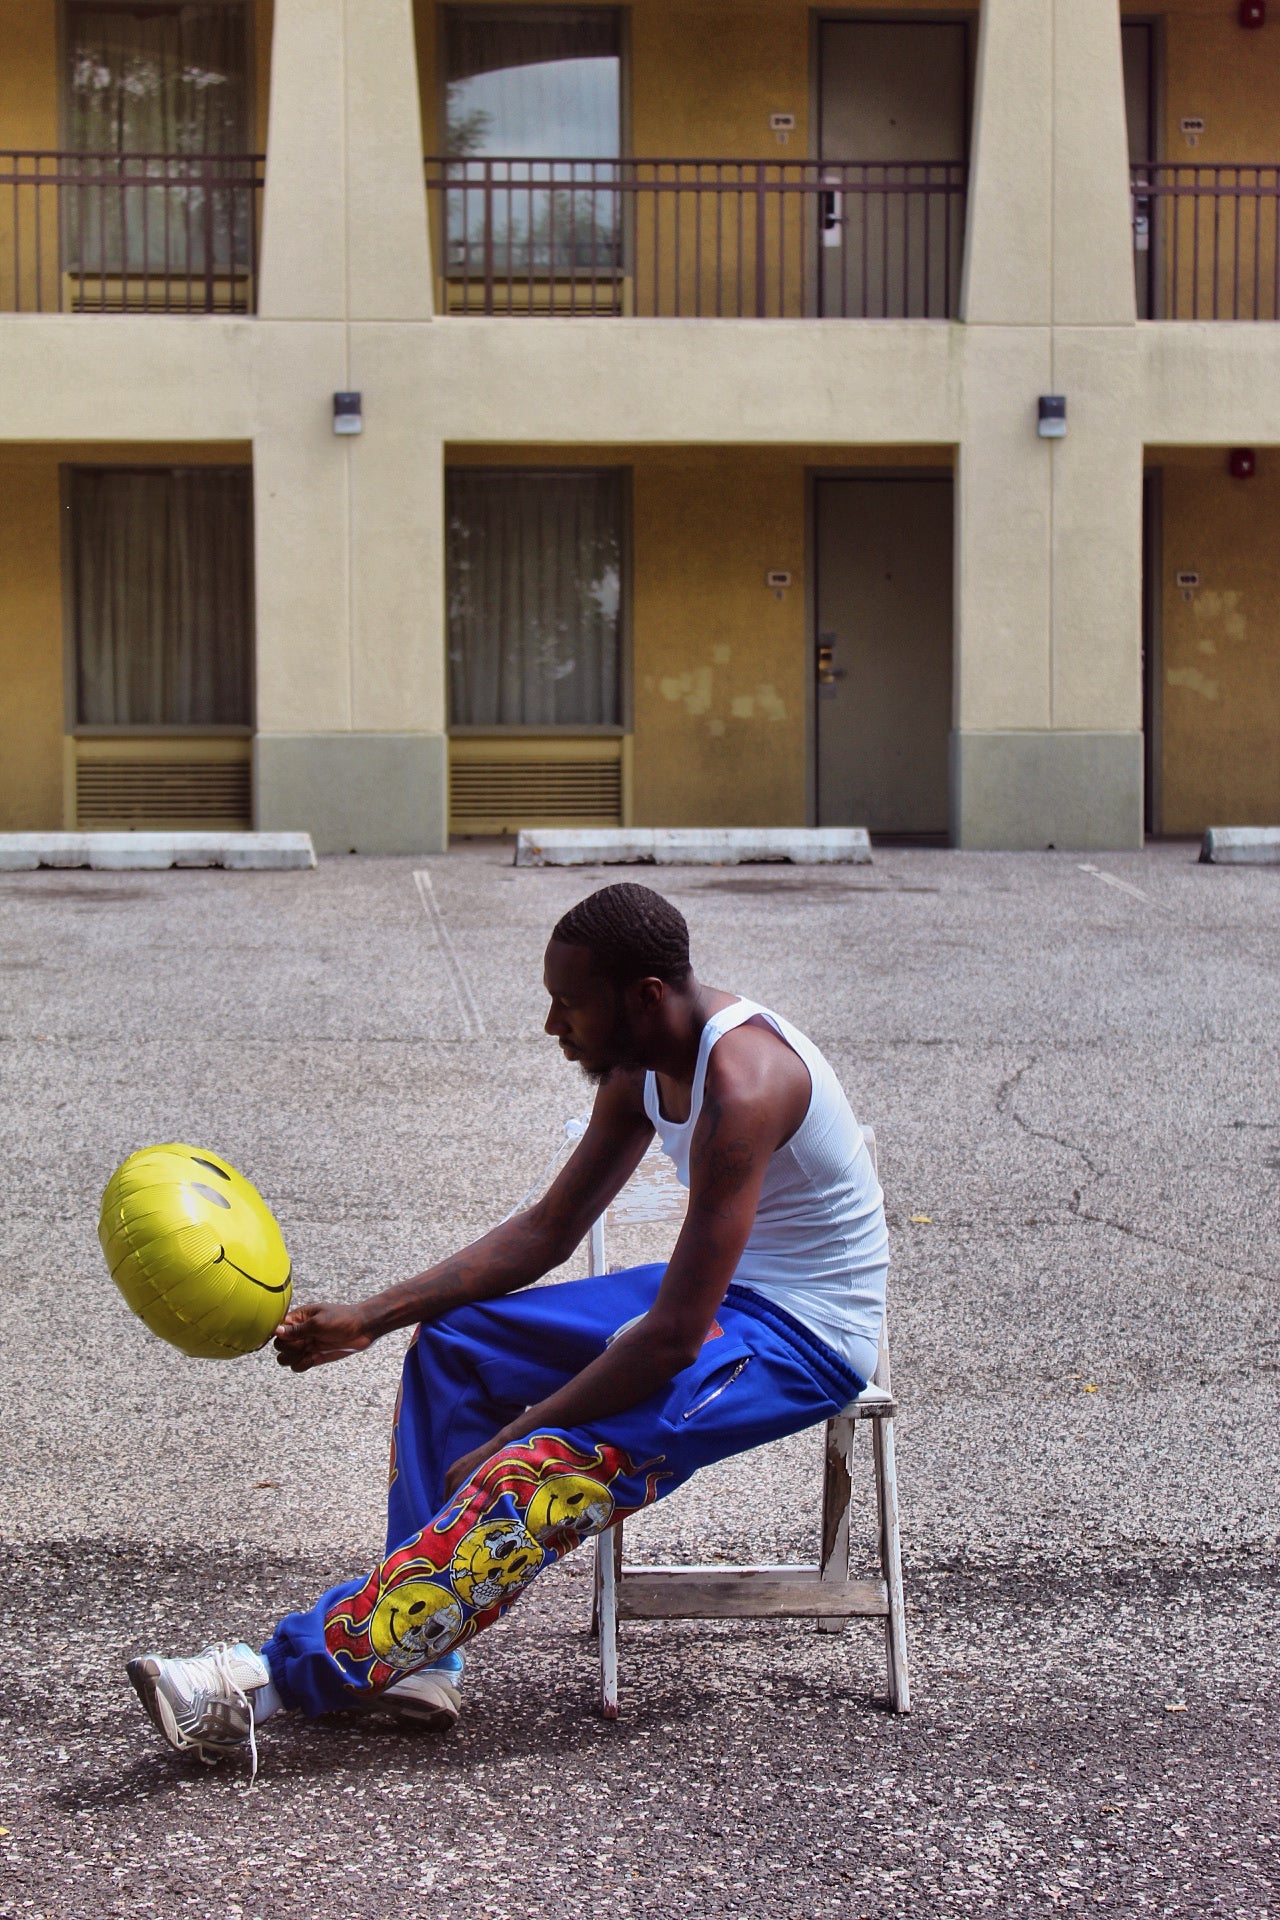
(529, 1418)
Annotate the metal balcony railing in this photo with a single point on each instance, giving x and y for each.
(739, 239)
(1206, 241)
(129, 233)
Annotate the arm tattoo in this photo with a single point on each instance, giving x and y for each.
(726, 1157)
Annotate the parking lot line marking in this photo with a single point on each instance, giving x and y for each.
(1110, 880)
(466, 1000)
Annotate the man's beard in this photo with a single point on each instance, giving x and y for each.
(620, 1051)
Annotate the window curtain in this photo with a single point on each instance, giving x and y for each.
(166, 81)
(532, 88)
(535, 598)
(162, 589)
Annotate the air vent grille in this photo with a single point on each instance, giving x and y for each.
(560, 301)
(501, 796)
(165, 794)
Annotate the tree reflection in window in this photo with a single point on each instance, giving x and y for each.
(535, 596)
(526, 94)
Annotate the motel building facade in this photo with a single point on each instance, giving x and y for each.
(701, 355)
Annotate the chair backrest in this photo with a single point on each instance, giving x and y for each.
(881, 1377)
(651, 1194)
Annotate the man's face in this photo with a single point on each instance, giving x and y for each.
(588, 1015)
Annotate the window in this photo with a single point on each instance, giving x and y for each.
(535, 597)
(534, 82)
(532, 109)
(154, 94)
(161, 593)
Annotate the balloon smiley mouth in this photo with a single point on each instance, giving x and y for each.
(261, 1284)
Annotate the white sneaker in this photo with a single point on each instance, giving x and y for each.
(203, 1704)
(428, 1698)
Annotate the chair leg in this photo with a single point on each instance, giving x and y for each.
(608, 1565)
(895, 1625)
(837, 1496)
(596, 1575)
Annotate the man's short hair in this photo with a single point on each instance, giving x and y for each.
(631, 933)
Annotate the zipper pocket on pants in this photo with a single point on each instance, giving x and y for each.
(717, 1390)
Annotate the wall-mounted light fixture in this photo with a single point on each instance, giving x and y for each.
(1253, 13)
(347, 417)
(1053, 416)
(1243, 463)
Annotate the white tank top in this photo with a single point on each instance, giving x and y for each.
(819, 1247)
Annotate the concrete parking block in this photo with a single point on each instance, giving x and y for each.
(141, 852)
(692, 846)
(1241, 847)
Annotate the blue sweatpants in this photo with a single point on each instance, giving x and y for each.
(454, 1567)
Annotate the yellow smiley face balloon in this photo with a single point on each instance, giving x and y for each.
(195, 1252)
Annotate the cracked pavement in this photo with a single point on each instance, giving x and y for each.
(1075, 1091)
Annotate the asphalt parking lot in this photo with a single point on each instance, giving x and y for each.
(1071, 1063)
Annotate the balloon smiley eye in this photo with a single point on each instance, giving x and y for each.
(207, 1193)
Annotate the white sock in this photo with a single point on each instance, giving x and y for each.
(265, 1701)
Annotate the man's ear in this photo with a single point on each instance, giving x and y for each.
(648, 994)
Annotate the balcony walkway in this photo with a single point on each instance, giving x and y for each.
(129, 232)
(1207, 240)
(681, 239)
(165, 233)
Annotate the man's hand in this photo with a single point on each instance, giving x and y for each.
(512, 1255)
(756, 1093)
(462, 1469)
(312, 1336)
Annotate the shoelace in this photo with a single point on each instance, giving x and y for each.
(216, 1665)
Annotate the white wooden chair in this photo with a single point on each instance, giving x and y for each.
(826, 1593)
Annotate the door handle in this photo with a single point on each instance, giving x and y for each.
(1140, 215)
(831, 210)
(828, 671)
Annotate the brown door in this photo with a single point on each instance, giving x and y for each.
(895, 94)
(884, 597)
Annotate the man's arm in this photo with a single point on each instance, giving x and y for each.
(753, 1101)
(513, 1255)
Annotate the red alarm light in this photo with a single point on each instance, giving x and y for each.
(1253, 13)
(1243, 463)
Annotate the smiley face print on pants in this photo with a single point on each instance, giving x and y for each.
(414, 1622)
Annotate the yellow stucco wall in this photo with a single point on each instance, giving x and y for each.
(719, 663)
(32, 699)
(31, 723)
(719, 660)
(262, 22)
(1220, 664)
(30, 73)
(1227, 75)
